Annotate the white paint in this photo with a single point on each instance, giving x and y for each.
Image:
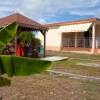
(76, 42)
(53, 37)
(93, 38)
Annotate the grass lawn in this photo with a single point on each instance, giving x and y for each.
(72, 66)
(74, 55)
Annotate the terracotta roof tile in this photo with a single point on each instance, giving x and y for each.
(71, 22)
(21, 20)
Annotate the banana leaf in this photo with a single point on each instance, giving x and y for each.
(7, 34)
(22, 66)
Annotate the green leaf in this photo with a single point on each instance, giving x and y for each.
(21, 66)
(7, 34)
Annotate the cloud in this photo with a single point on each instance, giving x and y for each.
(42, 9)
(8, 7)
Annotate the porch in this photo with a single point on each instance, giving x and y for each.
(81, 41)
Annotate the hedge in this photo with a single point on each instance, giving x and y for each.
(13, 65)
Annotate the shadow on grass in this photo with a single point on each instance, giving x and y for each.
(4, 81)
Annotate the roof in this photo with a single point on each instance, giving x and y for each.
(21, 20)
(75, 28)
(72, 22)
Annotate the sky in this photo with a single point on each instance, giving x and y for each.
(48, 11)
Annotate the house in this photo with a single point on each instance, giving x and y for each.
(81, 36)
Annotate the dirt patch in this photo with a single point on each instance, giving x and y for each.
(45, 87)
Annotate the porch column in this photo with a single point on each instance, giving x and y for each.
(93, 39)
(76, 40)
(44, 41)
(44, 44)
(16, 37)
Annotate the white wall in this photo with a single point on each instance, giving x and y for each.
(53, 37)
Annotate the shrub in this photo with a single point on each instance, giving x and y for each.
(26, 36)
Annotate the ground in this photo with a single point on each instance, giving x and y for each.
(71, 65)
(46, 86)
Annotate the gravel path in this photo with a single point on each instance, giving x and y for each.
(45, 87)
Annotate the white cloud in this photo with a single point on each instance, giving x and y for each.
(51, 8)
(41, 9)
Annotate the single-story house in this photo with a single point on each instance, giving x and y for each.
(81, 36)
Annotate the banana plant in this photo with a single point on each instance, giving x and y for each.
(18, 66)
(7, 34)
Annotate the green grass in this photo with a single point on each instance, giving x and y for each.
(74, 55)
(72, 66)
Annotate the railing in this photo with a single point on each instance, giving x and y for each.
(80, 42)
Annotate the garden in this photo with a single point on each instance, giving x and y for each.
(27, 78)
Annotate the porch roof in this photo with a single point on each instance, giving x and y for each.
(75, 27)
(57, 24)
(22, 21)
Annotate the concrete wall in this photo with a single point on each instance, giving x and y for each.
(53, 39)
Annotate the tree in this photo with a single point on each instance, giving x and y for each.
(30, 38)
(26, 36)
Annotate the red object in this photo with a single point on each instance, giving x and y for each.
(22, 51)
(18, 51)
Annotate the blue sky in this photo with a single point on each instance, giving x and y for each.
(47, 11)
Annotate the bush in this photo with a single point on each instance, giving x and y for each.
(26, 36)
(37, 42)
(13, 65)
